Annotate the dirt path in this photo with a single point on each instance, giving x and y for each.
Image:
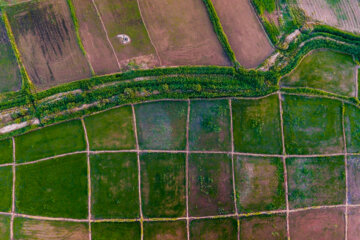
(139, 171)
(187, 171)
(88, 175)
(357, 81)
(106, 33)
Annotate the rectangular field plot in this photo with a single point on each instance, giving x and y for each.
(353, 223)
(257, 126)
(214, 229)
(45, 230)
(316, 181)
(352, 128)
(94, 39)
(163, 185)
(46, 39)
(269, 227)
(123, 17)
(112, 230)
(318, 224)
(165, 230)
(210, 185)
(353, 167)
(244, 31)
(162, 125)
(6, 183)
(10, 78)
(50, 141)
(5, 227)
(259, 184)
(6, 151)
(53, 188)
(312, 125)
(111, 130)
(210, 125)
(114, 180)
(326, 70)
(182, 33)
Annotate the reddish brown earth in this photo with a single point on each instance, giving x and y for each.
(93, 36)
(353, 166)
(353, 223)
(319, 224)
(45, 35)
(244, 31)
(182, 33)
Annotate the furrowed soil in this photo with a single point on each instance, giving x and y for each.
(45, 35)
(94, 39)
(10, 78)
(244, 31)
(123, 17)
(182, 32)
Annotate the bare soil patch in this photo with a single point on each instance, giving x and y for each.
(354, 179)
(318, 224)
(123, 17)
(45, 36)
(94, 39)
(182, 33)
(244, 31)
(353, 223)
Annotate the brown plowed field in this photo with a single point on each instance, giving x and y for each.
(94, 39)
(182, 33)
(123, 17)
(354, 223)
(46, 39)
(244, 31)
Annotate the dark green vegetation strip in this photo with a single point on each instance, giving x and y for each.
(5, 189)
(109, 230)
(262, 187)
(5, 227)
(6, 151)
(210, 185)
(165, 230)
(316, 181)
(257, 125)
(162, 125)
(215, 20)
(312, 125)
(27, 229)
(163, 185)
(218, 228)
(54, 188)
(50, 141)
(210, 125)
(111, 130)
(115, 192)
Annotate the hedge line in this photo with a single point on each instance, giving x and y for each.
(220, 31)
(337, 32)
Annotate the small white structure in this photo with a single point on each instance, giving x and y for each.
(124, 39)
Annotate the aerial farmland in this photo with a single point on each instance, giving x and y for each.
(179, 120)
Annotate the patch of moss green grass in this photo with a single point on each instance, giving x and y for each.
(163, 184)
(114, 185)
(257, 127)
(269, 227)
(259, 184)
(214, 229)
(38, 229)
(316, 181)
(6, 151)
(111, 130)
(50, 141)
(165, 230)
(5, 188)
(114, 230)
(312, 125)
(352, 128)
(162, 125)
(210, 185)
(210, 125)
(325, 70)
(53, 188)
(4, 227)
